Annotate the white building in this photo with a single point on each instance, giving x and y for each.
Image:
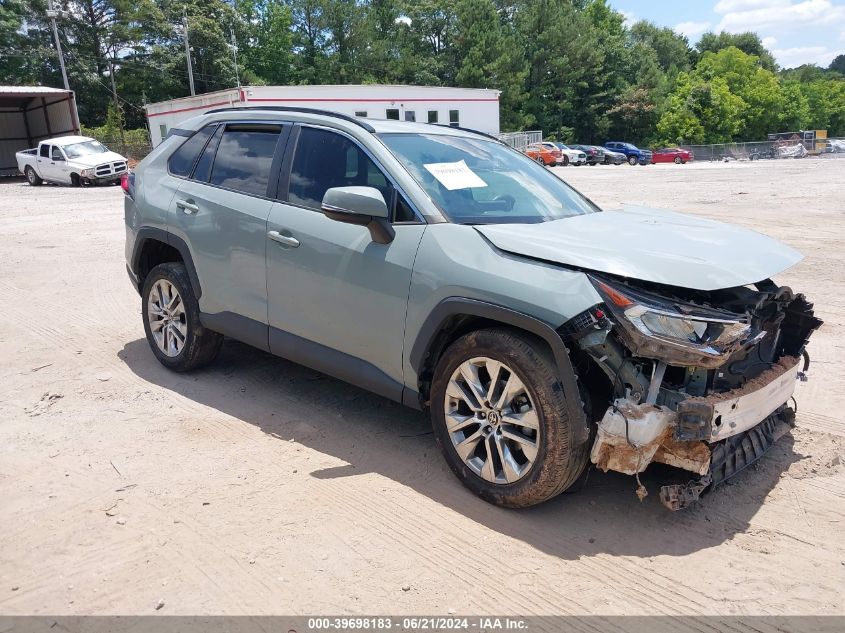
(473, 108)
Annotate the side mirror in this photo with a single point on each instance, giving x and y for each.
(363, 206)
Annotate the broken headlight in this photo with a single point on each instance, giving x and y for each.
(675, 332)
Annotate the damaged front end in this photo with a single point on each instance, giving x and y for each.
(699, 380)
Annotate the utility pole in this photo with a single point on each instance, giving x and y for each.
(53, 14)
(234, 46)
(188, 50)
(117, 106)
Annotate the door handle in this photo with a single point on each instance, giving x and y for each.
(287, 240)
(187, 206)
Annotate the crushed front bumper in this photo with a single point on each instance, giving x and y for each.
(713, 436)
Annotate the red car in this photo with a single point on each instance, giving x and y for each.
(671, 155)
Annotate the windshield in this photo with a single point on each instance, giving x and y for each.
(84, 149)
(475, 181)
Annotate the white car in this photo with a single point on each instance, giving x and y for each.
(573, 156)
(72, 160)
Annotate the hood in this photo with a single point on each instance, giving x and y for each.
(650, 245)
(92, 160)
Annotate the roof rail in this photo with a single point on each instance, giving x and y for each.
(466, 129)
(330, 113)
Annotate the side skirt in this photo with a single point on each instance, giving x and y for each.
(299, 350)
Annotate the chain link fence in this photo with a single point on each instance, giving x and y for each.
(135, 144)
(768, 150)
(521, 140)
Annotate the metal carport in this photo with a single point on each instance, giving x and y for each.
(29, 114)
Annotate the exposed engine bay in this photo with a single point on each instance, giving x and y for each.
(699, 380)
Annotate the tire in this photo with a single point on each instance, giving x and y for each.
(565, 160)
(632, 160)
(540, 160)
(75, 180)
(197, 346)
(559, 458)
(31, 177)
(678, 160)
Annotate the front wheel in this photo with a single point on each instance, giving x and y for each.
(31, 177)
(632, 160)
(566, 161)
(678, 160)
(500, 419)
(171, 320)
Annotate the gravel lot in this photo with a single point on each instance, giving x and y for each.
(257, 486)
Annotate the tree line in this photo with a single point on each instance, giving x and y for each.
(572, 68)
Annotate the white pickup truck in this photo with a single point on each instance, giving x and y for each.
(74, 160)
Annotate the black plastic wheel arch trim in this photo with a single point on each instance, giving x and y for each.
(460, 306)
(148, 233)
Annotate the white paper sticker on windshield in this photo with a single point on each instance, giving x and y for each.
(455, 175)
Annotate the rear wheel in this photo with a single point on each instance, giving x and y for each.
(500, 419)
(171, 320)
(31, 177)
(632, 160)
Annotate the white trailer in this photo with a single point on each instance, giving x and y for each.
(29, 114)
(474, 108)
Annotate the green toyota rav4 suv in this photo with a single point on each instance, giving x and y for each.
(440, 268)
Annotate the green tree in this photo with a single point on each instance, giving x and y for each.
(484, 57)
(268, 42)
(749, 43)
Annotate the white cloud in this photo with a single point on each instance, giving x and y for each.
(630, 18)
(792, 57)
(726, 6)
(692, 29)
(768, 42)
(757, 15)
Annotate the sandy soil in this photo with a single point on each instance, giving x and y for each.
(257, 486)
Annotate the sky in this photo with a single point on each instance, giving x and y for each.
(796, 31)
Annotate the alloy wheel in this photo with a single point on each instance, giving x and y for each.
(166, 314)
(491, 420)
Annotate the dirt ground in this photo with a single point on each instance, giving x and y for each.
(257, 486)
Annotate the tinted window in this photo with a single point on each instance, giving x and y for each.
(392, 113)
(323, 160)
(454, 118)
(45, 151)
(432, 116)
(181, 162)
(244, 157)
(203, 168)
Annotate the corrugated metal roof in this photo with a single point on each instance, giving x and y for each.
(31, 90)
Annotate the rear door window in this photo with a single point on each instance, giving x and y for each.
(244, 157)
(181, 162)
(203, 169)
(44, 151)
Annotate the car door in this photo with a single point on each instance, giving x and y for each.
(336, 298)
(45, 165)
(220, 211)
(58, 164)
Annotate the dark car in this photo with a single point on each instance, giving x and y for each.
(595, 154)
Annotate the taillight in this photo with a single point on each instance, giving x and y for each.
(127, 183)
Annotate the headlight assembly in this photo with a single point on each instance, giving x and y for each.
(677, 333)
(87, 173)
